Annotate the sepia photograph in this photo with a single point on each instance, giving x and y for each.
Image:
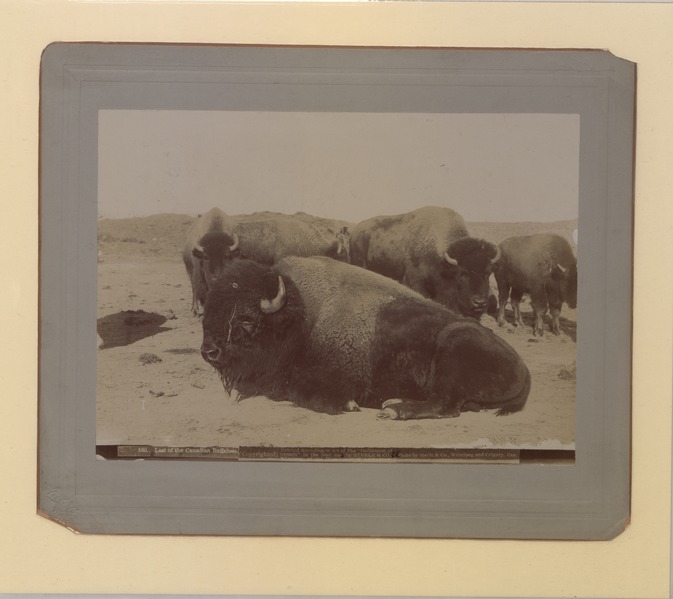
(337, 286)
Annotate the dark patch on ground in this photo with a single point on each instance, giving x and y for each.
(568, 373)
(568, 327)
(148, 358)
(129, 326)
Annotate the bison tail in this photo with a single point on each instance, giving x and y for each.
(517, 403)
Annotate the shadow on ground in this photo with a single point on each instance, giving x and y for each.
(567, 326)
(129, 326)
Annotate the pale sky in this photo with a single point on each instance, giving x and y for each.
(351, 166)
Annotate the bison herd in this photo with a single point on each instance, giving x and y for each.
(383, 314)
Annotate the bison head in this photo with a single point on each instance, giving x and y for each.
(468, 263)
(252, 327)
(214, 250)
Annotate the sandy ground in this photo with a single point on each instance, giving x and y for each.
(154, 388)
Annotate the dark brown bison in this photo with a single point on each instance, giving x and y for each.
(215, 239)
(430, 251)
(331, 337)
(543, 266)
(209, 244)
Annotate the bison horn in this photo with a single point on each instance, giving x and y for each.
(271, 306)
(498, 253)
(197, 251)
(450, 260)
(233, 246)
(561, 268)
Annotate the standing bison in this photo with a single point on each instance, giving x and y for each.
(267, 237)
(430, 251)
(209, 244)
(332, 337)
(215, 239)
(543, 266)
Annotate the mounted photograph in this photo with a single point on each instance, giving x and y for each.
(336, 291)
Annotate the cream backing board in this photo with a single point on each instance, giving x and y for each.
(41, 556)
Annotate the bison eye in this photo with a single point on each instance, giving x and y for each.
(248, 326)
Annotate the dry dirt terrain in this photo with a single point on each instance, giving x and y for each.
(154, 388)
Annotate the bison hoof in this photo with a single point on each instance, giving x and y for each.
(351, 406)
(393, 409)
(390, 414)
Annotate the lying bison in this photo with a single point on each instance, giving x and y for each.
(331, 337)
(543, 266)
(209, 244)
(215, 239)
(430, 251)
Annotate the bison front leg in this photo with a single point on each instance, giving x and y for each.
(195, 305)
(555, 311)
(540, 312)
(517, 294)
(198, 293)
(399, 409)
(540, 306)
(503, 295)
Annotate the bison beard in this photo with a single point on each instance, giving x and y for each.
(253, 347)
(324, 334)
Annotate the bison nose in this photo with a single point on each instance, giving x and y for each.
(210, 352)
(479, 303)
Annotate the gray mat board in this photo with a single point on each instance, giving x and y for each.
(588, 500)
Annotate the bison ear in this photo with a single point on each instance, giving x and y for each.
(248, 326)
